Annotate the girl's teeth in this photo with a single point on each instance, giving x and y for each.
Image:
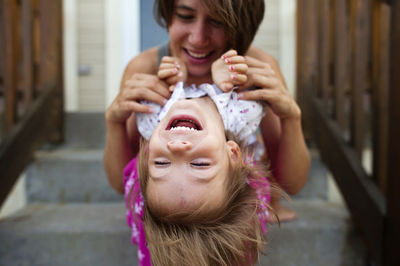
(183, 128)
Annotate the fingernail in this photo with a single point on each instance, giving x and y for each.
(231, 67)
(227, 60)
(175, 70)
(223, 57)
(233, 77)
(180, 74)
(164, 101)
(151, 109)
(240, 96)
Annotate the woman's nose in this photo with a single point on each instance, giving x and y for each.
(199, 36)
(179, 145)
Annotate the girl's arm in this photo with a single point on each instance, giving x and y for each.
(139, 82)
(281, 126)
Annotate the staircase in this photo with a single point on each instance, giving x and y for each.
(73, 217)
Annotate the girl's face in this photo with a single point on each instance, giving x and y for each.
(189, 156)
(196, 38)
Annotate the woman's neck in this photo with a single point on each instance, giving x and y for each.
(197, 80)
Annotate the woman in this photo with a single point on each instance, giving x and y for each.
(200, 32)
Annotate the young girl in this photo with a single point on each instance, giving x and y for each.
(195, 179)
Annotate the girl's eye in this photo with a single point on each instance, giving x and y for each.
(161, 162)
(200, 164)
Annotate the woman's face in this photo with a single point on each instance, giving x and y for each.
(196, 38)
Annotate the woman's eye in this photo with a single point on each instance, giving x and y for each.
(216, 23)
(184, 17)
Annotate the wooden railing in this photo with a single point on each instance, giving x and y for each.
(31, 101)
(349, 91)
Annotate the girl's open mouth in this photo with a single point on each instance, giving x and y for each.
(184, 122)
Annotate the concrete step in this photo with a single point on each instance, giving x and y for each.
(75, 174)
(317, 181)
(68, 175)
(83, 130)
(96, 234)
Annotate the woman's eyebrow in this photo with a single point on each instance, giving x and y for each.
(184, 7)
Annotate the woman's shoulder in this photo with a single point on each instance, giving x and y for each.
(145, 62)
(261, 55)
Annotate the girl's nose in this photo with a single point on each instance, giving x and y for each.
(179, 145)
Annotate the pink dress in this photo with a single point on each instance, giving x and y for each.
(134, 212)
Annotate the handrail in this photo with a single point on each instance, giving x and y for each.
(30, 82)
(348, 88)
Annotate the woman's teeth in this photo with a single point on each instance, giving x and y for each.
(196, 55)
(183, 128)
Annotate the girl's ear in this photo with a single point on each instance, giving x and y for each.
(233, 150)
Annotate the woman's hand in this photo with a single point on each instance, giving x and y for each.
(270, 89)
(138, 87)
(172, 70)
(229, 70)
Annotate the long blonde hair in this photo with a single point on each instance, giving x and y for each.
(230, 235)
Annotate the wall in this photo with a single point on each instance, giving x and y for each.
(101, 36)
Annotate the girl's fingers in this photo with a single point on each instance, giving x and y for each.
(226, 86)
(238, 78)
(168, 59)
(175, 79)
(235, 60)
(166, 73)
(229, 53)
(239, 68)
(168, 66)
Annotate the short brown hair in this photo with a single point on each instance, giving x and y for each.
(241, 18)
(234, 237)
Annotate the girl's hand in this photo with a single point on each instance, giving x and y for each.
(138, 87)
(270, 89)
(172, 70)
(229, 71)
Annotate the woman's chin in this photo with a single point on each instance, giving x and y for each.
(199, 72)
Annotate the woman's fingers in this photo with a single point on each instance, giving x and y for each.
(253, 62)
(149, 81)
(132, 106)
(143, 93)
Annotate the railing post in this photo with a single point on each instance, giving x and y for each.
(392, 222)
(51, 59)
(9, 40)
(307, 53)
(380, 90)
